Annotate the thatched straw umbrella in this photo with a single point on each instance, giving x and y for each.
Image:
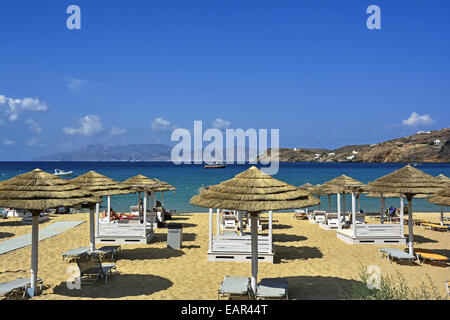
(253, 191)
(141, 183)
(410, 182)
(306, 186)
(441, 198)
(342, 184)
(320, 190)
(443, 178)
(164, 186)
(36, 191)
(100, 186)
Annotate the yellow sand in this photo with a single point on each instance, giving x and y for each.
(316, 264)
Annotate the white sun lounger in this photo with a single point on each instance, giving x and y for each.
(234, 287)
(396, 254)
(108, 250)
(272, 288)
(18, 285)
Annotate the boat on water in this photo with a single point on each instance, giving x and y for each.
(59, 172)
(216, 165)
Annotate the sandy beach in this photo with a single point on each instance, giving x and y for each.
(316, 264)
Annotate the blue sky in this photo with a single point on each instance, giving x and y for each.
(138, 69)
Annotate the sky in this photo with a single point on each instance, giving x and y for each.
(136, 70)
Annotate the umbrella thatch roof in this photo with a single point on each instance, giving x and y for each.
(408, 181)
(141, 182)
(392, 195)
(340, 184)
(443, 178)
(39, 190)
(163, 186)
(253, 191)
(441, 198)
(101, 185)
(306, 186)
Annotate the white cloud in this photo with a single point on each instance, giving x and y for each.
(416, 119)
(75, 85)
(87, 126)
(33, 125)
(159, 124)
(34, 142)
(221, 124)
(8, 142)
(13, 107)
(115, 131)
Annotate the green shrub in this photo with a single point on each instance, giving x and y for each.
(394, 288)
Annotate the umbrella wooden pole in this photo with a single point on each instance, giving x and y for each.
(210, 229)
(162, 199)
(402, 216)
(34, 251)
(442, 215)
(109, 209)
(92, 225)
(381, 208)
(254, 245)
(329, 203)
(145, 216)
(218, 221)
(339, 210)
(241, 223)
(318, 206)
(343, 203)
(97, 212)
(270, 231)
(354, 215)
(151, 204)
(410, 225)
(359, 203)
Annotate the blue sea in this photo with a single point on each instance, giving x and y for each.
(188, 179)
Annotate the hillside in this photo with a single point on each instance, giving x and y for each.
(137, 152)
(431, 146)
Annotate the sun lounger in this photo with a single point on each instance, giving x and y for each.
(235, 287)
(74, 253)
(300, 216)
(396, 254)
(425, 254)
(91, 267)
(110, 251)
(18, 285)
(28, 218)
(272, 288)
(436, 227)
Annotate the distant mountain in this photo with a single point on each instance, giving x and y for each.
(132, 152)
(97, 152)
(430, 146)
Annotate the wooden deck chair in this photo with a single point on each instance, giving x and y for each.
(92, 269)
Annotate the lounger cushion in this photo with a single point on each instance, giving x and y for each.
(16, 284)
(234, 285)
(396, 253)
(272, 288)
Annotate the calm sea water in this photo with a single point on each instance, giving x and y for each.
(188, 179)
